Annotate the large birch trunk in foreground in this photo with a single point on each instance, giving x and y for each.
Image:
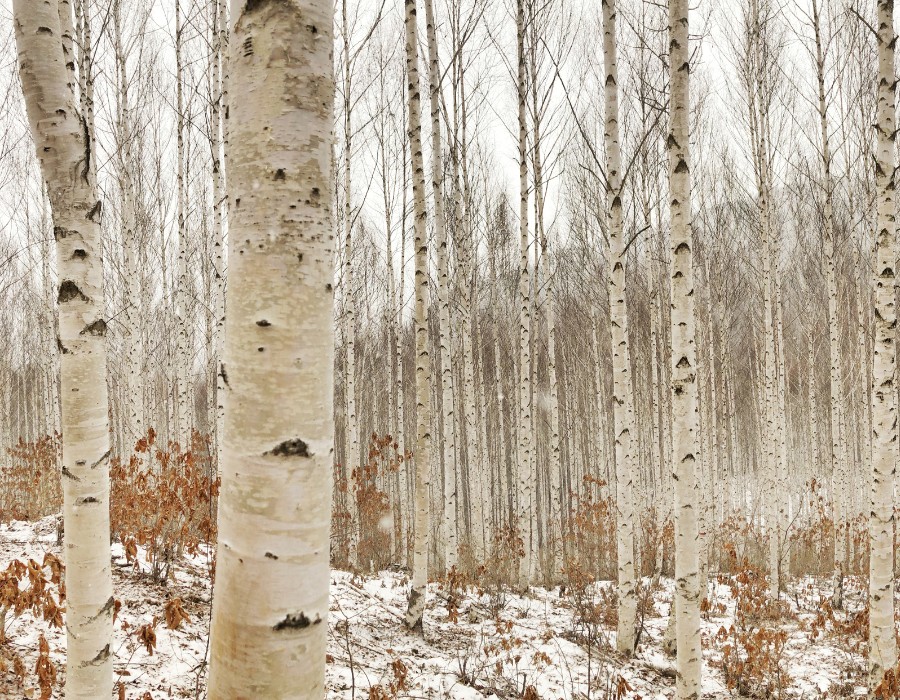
(422, 455)
(685, 432)
(625, 638)
(267, 638)
(882, 639)
(65, 151)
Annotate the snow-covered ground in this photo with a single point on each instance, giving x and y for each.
(490, 644)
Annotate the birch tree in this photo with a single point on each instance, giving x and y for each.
(422, 457)
(267, 636)
(685, 429)
(882, 634)
(448, 436)
(622, 387)
(525, 489)
(63, 138)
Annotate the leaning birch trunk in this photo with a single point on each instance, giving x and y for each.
(685, 432)
(267, 638)
(64, 149)
(625, 638)
(421, 524)
(437, 175)
(882, 639)
(525, 487)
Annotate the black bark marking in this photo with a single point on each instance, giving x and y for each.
(102, 656)
(279, 174)
(105, 609)
(269, 555)
(62, 348)
(263, 323)
(60, 232)
(79, 254)
(312, 29)
(291, 448)
(100, 461)
(296, 621)
(68, 290)
(682, 247)
(44, 30)
(86, 499)
(95, 210)
(97, 328)
(87, 163)
(683, 362)
(224, 375)
(67, 473)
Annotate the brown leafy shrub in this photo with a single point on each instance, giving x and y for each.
(501, 570)
(851, 628)
(165, 500)
(398, 684)
(889, 687)
(30, 481)
(45, 670)
(175, 614)
(365, 524)
(29, 587)
(753, 645)
(657, 544)
(592, 534)
(38, 589)
(812, 538)
(595, 610)
(737, 541)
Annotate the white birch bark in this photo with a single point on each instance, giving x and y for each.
(833, 337)
(183, 353)
(448, 435)
(422, 457)
(781, 492)
(217, 131)
(65, 151)
(131, 313)
(622, 385)
(268, 634)
(685, 431)
(882, 634)
(525, 487)
(352, 452)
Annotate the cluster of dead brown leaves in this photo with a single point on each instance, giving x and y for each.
(164, 499)
(398, 684)
(37, 597)
(30, 486)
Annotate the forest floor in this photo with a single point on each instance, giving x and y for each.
(477, 644)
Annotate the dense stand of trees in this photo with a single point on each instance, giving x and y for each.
(545, 262)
